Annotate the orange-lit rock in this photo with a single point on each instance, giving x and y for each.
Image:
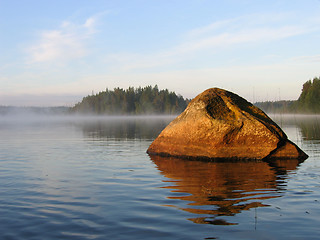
(218, 124)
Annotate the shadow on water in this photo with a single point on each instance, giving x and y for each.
(219, 189)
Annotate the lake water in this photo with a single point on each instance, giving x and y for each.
(90, 178)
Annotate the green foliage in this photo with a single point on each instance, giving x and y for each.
(132, 101)
(309, 100)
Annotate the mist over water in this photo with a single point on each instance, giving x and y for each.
(64, 176)
(29, 115)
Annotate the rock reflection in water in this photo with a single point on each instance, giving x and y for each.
(220, 189)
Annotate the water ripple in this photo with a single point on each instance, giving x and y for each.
(93, 180)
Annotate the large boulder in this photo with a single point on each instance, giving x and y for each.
(220, 125)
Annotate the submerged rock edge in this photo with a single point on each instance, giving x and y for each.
(271, 157)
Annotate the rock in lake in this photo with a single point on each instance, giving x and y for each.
(220, 125)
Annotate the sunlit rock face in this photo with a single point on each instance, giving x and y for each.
(219, 124)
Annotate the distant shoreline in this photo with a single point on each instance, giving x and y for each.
(5, 110)
(150, 100)
(66, 111)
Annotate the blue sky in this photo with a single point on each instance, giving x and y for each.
(56, 52)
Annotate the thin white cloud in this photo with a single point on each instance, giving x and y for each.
(66, 42)
(210, 27)
(307, 59)
(90, 23)
(225, 38)
(250, 21)
(219, 36)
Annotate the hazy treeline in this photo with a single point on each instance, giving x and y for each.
(308, 101)
(282, 106)
(151, 100)
(12, 110)
(132, 101)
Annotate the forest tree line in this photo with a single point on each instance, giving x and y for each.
(151, 100)
(308, 101)
(132, 101)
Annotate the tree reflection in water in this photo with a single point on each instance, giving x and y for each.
(309, 125)
(219, 189)
(125, 127)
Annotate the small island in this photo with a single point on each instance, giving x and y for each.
(132, 101)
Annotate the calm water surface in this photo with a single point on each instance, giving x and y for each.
(90, 178)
